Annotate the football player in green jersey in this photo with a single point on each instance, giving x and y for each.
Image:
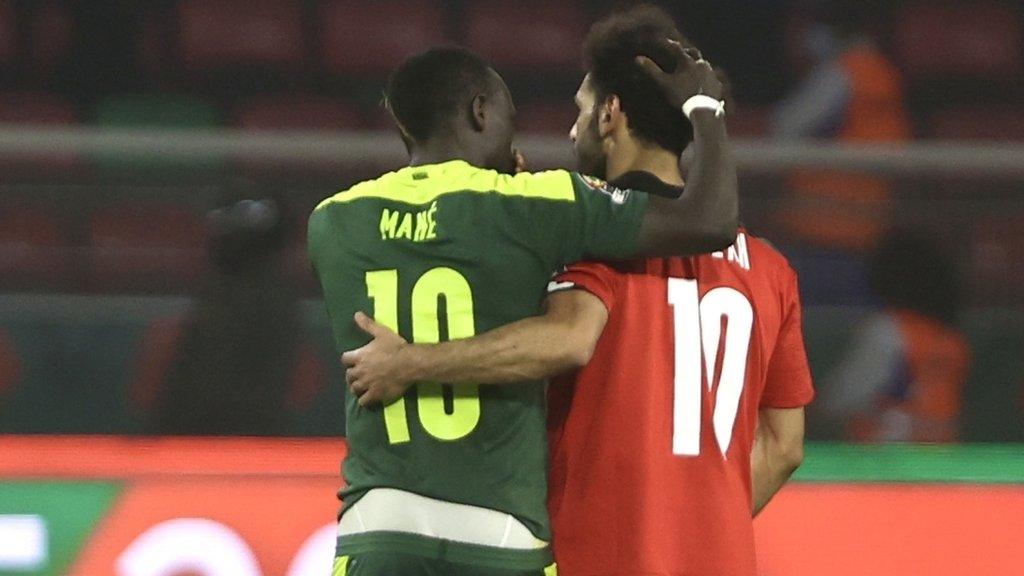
(454, 482)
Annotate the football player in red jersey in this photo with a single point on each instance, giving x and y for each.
(689, 416)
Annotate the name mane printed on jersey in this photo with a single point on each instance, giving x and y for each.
(415, 226)
(617, 195)
(737, 253)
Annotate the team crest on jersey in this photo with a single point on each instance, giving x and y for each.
(617, 195)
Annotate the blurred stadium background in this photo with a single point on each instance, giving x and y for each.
(158, 160)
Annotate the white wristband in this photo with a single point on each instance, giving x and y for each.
(702, 102)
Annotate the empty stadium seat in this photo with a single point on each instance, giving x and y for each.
(988, 123)
(8, 38)
(941, 39)
(215, 34)
(296, 113)
(554, 118)
(52, 25)
(34, 249)
(156, 111)
(137, 247)
(528, 36)
(36, 108)
(367, 37)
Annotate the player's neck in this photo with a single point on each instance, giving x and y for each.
(437, 152)
(662, 163)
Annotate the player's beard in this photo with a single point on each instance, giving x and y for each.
(590, 156)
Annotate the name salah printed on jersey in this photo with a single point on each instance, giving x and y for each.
(617, 195)
(414, 226)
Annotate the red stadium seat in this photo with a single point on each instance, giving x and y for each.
(992, 124)
(36, 108)
(146, 247)
(527, 36)
(224, 33)
(34, 248)
(366, 37)
(51, 36)
(8, 38)
(297, 113)
(553, 118)
(941, 39)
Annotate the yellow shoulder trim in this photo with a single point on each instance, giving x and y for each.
(423, 184)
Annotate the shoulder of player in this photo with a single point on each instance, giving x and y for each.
(767, 252)
(362, 189)
(768, 263)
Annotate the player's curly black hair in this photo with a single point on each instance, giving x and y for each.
(610, 52)
(427, 89)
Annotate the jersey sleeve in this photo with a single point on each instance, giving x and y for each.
(318, 235)
(594, 221)
(594, 277)
(788, 383)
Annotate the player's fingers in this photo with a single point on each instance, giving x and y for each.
(369, 398)
(351, 358)
(359, 387)
(684, 56)
(651, 67)
(366, 324)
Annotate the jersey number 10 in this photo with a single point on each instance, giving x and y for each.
(382, 286)
(698, 328)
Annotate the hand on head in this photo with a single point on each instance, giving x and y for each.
(691, 76)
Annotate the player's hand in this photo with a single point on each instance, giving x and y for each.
(692, 74)
(520, 161)
(376, 373)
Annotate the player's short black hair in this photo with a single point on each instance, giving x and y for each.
(610, 52)
(427, 89)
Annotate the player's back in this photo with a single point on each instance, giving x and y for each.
(442, 252)
(651, 441)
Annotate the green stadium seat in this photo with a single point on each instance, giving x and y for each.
(156, 112)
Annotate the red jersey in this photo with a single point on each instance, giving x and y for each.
(651, 441)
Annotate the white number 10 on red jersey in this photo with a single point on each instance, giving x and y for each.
(698, 327)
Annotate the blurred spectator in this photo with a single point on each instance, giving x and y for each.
(237, 362)
(902, 378)
(852, 94)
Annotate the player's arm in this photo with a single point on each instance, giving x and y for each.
(535, 348)
(778, 452)
(706, 216)
(779, 439)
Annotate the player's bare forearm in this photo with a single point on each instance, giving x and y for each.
(534, 348)
(531, 349)
(777, 453)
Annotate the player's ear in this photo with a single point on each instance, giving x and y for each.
(478, 112)
(609, 115)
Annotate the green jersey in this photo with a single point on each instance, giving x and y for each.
(447, 251)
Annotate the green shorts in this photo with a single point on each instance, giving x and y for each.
(390, 564)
